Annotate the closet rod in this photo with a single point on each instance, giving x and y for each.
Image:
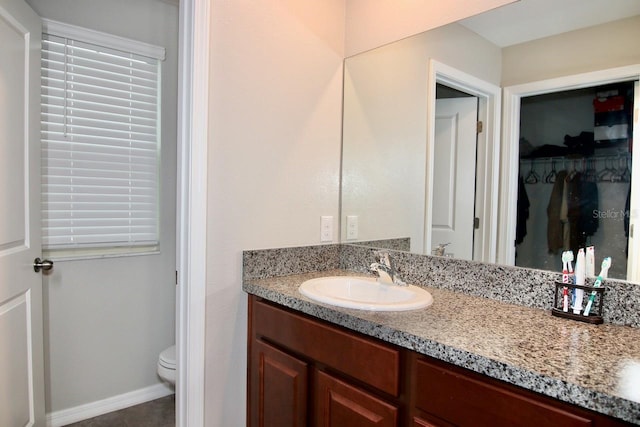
(619, 156)
(609, 168)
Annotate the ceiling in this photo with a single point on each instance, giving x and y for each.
(527, 20)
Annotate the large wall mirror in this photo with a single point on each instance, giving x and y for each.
(428, 164)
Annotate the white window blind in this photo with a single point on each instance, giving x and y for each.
(100, 146)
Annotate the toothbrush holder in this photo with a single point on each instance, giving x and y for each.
(595, 314)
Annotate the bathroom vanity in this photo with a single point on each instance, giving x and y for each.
(465, 360)
(303, 371)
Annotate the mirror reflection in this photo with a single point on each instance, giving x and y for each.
(404, 188)
(575, 179)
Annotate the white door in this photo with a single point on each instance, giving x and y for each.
(454, 175)
(21, 353)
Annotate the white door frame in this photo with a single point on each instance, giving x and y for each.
(510, 152)
(193, 96)
(488, 154)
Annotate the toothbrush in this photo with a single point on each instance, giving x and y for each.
(565, 279)
(572, 278)
(580, 273)
(591, 262)
(606, 263)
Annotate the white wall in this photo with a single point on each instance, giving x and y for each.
(370, 24)
(107, 320)
(595, 48)
(274, 157)
(385, 127)
(274, 165)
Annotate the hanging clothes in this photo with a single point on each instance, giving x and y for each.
(564, 216)
(523, 212)
(555, 240)
(573, 182)
(589, 221)
(572, 212)
(627, 213)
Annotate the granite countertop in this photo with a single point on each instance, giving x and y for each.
(593, 366)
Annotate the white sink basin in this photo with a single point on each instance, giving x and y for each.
(365, 293)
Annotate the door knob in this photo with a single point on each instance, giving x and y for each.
(42, 264)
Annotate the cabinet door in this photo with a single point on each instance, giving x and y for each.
(465, 399)
(278, 388)
(339, 404)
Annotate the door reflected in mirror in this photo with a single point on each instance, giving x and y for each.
(454, 175)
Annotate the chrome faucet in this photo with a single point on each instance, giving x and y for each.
(386, 271)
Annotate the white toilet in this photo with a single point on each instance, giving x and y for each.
(167, 365)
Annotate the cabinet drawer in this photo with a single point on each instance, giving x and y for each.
(460, 398)
(364, 359)
(340, 404)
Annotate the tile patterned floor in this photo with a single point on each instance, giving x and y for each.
(156, 413)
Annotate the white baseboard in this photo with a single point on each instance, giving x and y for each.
(100, 407)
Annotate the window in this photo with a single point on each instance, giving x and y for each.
(100, 142)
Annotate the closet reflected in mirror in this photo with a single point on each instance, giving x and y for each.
(575, 176)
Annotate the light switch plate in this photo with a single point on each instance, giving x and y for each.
(326, 228)
(352, 227)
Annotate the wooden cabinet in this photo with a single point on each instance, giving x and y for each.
(306, 372)
(461, 398)
(278, 387)
(303, 372)
(367, 360)
(419, 422)
(338, 403)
